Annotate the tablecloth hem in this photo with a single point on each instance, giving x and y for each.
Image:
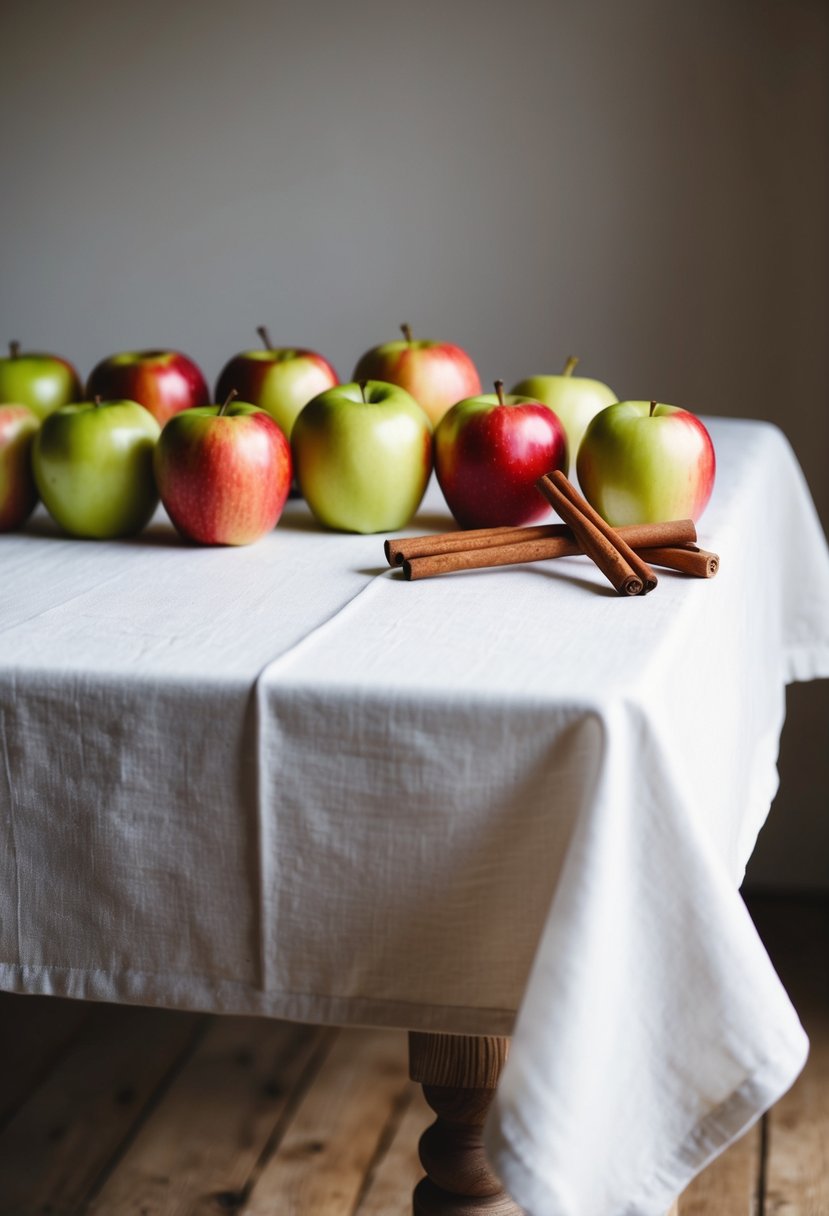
(536, 1193)
(804, 663)
(195, 994)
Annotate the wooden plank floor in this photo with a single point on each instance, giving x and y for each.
(115, 1111)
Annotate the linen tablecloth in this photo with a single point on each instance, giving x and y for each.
(280, 780)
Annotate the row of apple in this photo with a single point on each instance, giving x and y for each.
(279, 379)
(362, 452)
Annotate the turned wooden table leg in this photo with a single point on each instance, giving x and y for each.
(458, 1074)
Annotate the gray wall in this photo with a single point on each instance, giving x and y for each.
(643, 183)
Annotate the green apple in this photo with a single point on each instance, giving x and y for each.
(93, 465)
(363, 456)
(575, 400)
(643, 463)
(43, 382)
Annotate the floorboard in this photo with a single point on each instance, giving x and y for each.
(200, 1147)
(331, 1147)
(388, 1191)
(40, 1030)
(65, 1134)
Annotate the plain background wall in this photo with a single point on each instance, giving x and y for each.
(644, 183)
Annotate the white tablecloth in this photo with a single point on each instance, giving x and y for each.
(281, 780)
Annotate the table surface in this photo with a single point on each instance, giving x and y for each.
(281, 780)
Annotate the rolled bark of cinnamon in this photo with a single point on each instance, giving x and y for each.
(687, 559)
(431, 564)
(672, 552)
(608, 556)
(563, 484)
(672, 532)
(398, 551)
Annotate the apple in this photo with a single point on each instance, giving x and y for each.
(163, 381)
(223, 472)
(282, 380)
(18, 492)
(643, 463)
(490, 450)
(575, 399)
(43, 382)
(93, 466)
(436, 374)
(363, 456)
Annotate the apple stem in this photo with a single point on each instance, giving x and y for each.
(362, 384)
(227, 402)
(499, 388)
(570, 366)
(14, 349)
(97, 400)
(653, 407)
(265, 336)
(406, 330)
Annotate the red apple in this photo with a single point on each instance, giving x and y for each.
(642, 463)
(436, 374)
(223, 472)
(281, 380)
(18, 493)
(163, 381)
(490, 451)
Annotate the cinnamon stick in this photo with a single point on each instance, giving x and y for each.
(687, 559)
(468, 538)
(676, 557)
(673, 532)
(563, 484)
(431, 564)
(592, 540)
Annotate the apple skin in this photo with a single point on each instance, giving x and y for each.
(43, 382)
(436, 374)
(163, 381)
(638, 468)
(574, 399)
(18, 492)
(363, 465)
(281, 380)
(93, 466)
(223, 476)
(489, 455)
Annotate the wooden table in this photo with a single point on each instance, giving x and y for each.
(184, 759)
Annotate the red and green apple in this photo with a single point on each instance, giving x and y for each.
(363, 456)
(280, 379)
(93, 466)
(641, 462)
(43, 382)
(18, 492)
(575, 399)
(436, 374)
(223, 472)
(490, 450)
(163, 381)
